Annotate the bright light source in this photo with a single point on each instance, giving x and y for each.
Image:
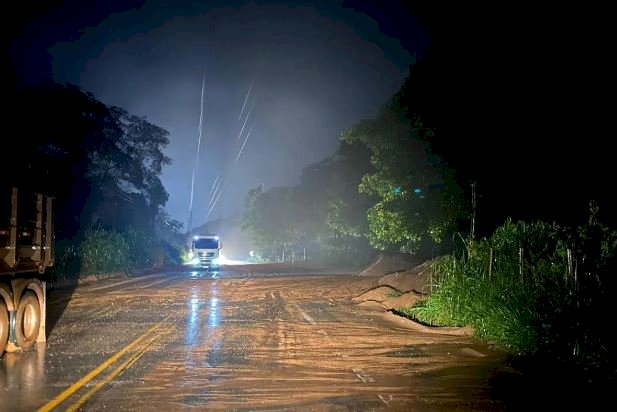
(220, 260)
(195, 237)
(191, 255)
(216, 237)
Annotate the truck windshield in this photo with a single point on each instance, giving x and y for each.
(205, 244)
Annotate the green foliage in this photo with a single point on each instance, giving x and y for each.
(384, 189)
(103, 251)
(532, 289)
(418, 198)
(508, 287)
(66, 260)
(338, 222)
(101, 164)
(269, 218)
(144, 250)
(388, 227)
(324, 215)
(135, 161)
(171, 238)
(347, 230)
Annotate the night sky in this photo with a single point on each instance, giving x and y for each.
(521, 95)
(316, 68)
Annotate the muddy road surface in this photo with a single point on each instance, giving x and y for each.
(244, 338)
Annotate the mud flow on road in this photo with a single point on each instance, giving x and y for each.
(242, 340)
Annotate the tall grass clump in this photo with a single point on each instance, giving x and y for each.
(493, 288)
(67, 262)
(103, 251)
(143, 249)
(531, 288)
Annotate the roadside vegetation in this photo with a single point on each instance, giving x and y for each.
(104, 252)
(536, 289)
(102, 166)
(401, 184)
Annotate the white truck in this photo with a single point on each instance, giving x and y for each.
(205, 251)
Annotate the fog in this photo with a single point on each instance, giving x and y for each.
(316, 69)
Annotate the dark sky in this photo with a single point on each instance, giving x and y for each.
(316, 68)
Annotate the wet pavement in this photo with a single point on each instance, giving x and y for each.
(242, 339)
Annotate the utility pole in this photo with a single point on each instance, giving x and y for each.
(473, 210)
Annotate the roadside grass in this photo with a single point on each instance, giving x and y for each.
(532, 289)
(99, 251)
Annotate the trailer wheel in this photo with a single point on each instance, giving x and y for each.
(4, 327)
(28, 320)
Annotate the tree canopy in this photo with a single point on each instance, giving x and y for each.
(101, 164)
(323, 216)
(419, 200)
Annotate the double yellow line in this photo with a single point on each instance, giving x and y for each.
(95, 372)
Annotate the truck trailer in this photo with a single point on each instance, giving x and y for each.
(26, 252)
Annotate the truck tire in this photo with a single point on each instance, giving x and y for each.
(4, 327)
(27, 320)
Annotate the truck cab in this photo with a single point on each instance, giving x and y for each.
(205, 251)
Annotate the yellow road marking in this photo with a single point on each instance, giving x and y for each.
(125, 365)
(74, 387)
(100, 312)
(154, 283)
(136, 279)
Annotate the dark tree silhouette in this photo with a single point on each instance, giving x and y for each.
(101, 164)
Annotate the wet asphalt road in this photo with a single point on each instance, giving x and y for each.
(241, 339)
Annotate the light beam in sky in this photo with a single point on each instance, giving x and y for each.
(245, 100)
(201, 112)
(215, 202)
(245, 120)
(215, 182)
(245, 140)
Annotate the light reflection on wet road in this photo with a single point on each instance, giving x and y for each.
(213, 318)
(193, 321)
(240, 340)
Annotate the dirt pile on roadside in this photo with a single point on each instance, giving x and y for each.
(386, 297)
(440, 330)
(415, 280)
(403, 289)
(399, 289)
(386, 264)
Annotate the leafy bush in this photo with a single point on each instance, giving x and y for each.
(99, 251)
(142, 249)
(171, 254)
(532, 289)
(103, 251)
(67, 261)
